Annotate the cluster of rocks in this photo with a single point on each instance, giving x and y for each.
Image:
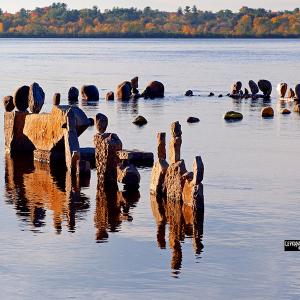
(171, 181)
(292, 94)
(127, 90)
(111, 166)
(263, 85)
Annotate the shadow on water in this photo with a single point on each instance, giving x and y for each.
(184, 222)
(33, 188)
(112, 208)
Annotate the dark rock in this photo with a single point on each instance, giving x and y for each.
(101, 122)
(36, 98)
(193, 120)
(236, 87)
(154, 89)
(129, 176)
(90, 93)
(265, 86)
(281, 89)
(189, 93)
(135, 83)
(220, 96)
(211, 94)
(8, 102)
(253, 87)
(285, 111)
(110, 96)
(73, 94)
(291, 93)
(56, 99)
(21, 98)
(92, 122)
(297, 91)
(140, 120)
(136, 157)
(246, 92)
(123, 91)
(176, 129)
(267, 112)
(233, 116)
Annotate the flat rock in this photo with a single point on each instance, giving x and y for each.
(193, 120)
(233, 116)
(140, 121)
(136, 157)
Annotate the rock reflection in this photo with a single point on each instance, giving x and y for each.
(112, 208)
(34, 187)
(184, 221)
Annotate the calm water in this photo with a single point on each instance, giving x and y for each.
(58, 242)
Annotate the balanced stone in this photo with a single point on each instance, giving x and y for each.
(140, 120)
(158, 176)
(193, 120)
(56, 99)
(291, 93)
(110, 96)
(265, 86)
(281, 89)
(123, 91)
(101, 122)
(174, 149)
(8, 102)
(176, 129)
(253, 87)
(198, 170)
(90, 93)
(161, 145)
(21, 98)
(36, 98)
(135, 83)
(267, 112)
(73, 94)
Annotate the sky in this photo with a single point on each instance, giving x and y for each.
(168, 5)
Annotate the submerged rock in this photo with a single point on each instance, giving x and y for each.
(233, 116)
(90, 93)
(211, 94)
(267, 112)
(110, 96)
(285, 111)
(236, 87)
(8, 102)
(21, 98)
(73, 94)
(189, 93)
(123, 91)
(297, 91)
(154, 89)
(193, 120)
(129, 176)
(140, 121)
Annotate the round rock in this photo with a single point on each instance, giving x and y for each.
(73, 94)
(90, 93)
(265, 86)
(267, 112)
(21, 98)
(285, 111)
(140, 120)
(189, 93)
(233, 116)
(101, 122)
(8, 102)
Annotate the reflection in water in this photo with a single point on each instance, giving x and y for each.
(33, 188)
(131, 106)
(112, 207)
(184, 221)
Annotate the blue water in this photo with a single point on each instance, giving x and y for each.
(48, 233)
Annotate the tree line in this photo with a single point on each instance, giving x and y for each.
(57, 20)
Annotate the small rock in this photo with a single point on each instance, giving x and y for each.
(140, 120)
(135, 83)
(110, 96)
(233, 116)
(101, 122)
(265, 86)
(90, 93)
(220, 96)
(281, 89)
(285, 111)
(236, 87)
(211, 94)
(8, 102)
(36, 98)
(193, 120)
(253, 87)
(246, 92)
(21, 98)
(73, 94)
(297, 108)
(189, 93)
(267, 112)
(291, 93)
(56, 99)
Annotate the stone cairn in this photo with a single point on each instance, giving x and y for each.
(111, 168)
(171, 181)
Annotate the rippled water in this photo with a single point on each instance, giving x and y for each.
(60, 240)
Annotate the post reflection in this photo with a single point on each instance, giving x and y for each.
(112, 208)
(34, 188)
(184, 222)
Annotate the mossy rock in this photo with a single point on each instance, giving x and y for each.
(233, 116)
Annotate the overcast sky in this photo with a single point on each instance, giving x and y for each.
(169, 5)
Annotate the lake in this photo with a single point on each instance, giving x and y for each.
(59, 243)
